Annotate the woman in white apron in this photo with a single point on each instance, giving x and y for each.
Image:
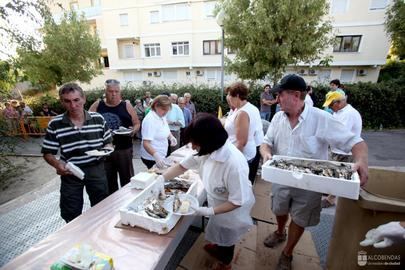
(224, 173)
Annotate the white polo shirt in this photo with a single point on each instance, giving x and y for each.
(156, 130)
(315, 131)
(224, 174)
(351, 119)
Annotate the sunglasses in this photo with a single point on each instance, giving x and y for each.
(112, 81)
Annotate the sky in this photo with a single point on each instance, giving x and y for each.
(21, 23)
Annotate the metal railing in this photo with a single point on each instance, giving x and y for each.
(27, 126)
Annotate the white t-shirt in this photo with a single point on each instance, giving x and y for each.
(255, 135)
(315, 131)
(224, 173)
(308, 101)
(351, 119)
(156, 130)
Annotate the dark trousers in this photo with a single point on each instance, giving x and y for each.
(148, 163)
(226, 254)
(119, 162)
(71, 190)
(254, 165)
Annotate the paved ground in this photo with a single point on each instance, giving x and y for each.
(39, 207)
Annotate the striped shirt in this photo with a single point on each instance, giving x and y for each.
(73, 142)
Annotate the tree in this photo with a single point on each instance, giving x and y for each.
(70, 52)
(269, 35)
(395, 27)
(25, 11)
(8, 78)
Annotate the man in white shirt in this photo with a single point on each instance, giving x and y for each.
(175, 119)
(351, 119)
(303, 131)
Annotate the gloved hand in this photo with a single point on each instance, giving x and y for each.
(384, 235)
(173, 141)
(160, 183)
(203, 211)
(159, 161)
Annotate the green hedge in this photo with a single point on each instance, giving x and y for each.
(378, 103)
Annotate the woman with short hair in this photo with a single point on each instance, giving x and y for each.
(224, 173)
(156, 132)
(244, 126)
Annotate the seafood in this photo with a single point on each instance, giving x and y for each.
(176, 202)
(154, 208)
(175, 184)
(342, 171)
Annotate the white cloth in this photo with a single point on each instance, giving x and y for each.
(255, 133)
(156, 130)
(224, 174)
(308, 101)
(351, 119)
(315, 131)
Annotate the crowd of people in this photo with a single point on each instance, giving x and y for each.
(228, 153)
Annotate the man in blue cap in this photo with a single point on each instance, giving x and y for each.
(303, 131)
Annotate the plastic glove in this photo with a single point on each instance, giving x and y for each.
(384, 235)
(159, 161)
(160, 183)
(203, 211)
(173, 141)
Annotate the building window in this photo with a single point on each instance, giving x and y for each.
(74, 5)
(106, 61)
(180, 48)
(339, 6)
(209, 8)
(211, 75)
(347, 44)
(152, 50)
(230, 51)
(347, 75)
(176, 12)
(378, 4)
(124, 19)
(154, 16)
(129, 51)
(95, 3)
(211, 47)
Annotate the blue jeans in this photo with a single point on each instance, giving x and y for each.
(265, 115)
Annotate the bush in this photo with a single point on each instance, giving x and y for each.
(378, 103)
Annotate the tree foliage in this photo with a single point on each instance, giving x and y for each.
(395, 26)
(70, 53)
(27, 11)
(269, 35)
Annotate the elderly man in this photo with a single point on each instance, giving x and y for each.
(303, 131)
(74, 133)
(351, 119)
(187, 117)
(175, 119)
(118, 113)
(190, 105)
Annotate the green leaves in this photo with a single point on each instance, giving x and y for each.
(395, 26)
(268, 35)
(71, 53)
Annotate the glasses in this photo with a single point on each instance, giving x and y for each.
(112, 81)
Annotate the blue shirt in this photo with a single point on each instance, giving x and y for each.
(187, 116)
(175, 115)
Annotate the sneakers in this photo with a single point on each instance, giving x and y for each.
(284, 262)
(274, 239)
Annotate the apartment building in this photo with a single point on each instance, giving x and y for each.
(157, 41)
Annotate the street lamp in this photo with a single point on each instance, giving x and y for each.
(220, 22)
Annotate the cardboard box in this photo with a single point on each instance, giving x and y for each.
(329, 185)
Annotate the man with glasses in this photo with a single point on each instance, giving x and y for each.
(351, 119)
(303, 131)
(118, 113)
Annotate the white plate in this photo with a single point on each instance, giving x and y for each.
(168, 205)
(99, 153)
(123, 131)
